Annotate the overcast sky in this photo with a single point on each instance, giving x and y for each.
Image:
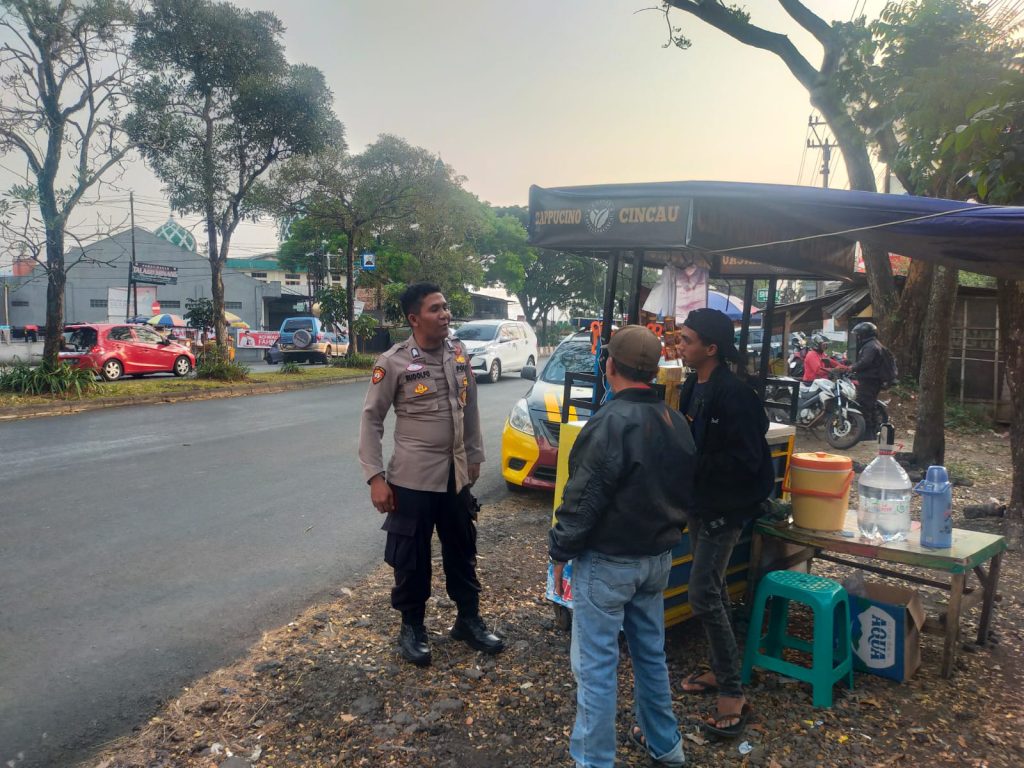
(548, 92)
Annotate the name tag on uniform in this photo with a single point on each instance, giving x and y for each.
(417, 376)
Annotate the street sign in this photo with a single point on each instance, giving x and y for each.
(369, 260)
(155, 307)
(762, 295)
(154, 274)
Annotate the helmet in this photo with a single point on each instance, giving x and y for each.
(865, 330)
(818, 342)
(797, 340)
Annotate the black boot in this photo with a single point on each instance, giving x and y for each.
(474, 632)
(412, 644)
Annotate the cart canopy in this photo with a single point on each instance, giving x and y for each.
(773, 230)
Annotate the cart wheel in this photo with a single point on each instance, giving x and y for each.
(563, 617)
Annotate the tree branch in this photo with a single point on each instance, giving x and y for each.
(725, 20)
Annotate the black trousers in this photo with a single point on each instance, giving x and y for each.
(410, 531)
(867, 396)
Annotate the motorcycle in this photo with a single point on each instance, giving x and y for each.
(831, 404)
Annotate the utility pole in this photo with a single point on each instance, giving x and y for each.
(825, 145)
(135, 292)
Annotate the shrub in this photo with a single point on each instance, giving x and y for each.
(290, 367)
(214, 364)
(62, 380)
(354, 361)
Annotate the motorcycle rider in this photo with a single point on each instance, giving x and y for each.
(868, 370)
(796, 358)
(816, 362)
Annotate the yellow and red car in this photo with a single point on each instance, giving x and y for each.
(529, 441)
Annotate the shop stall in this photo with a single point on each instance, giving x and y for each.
(704, 230)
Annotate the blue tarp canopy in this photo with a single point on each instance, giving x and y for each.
(772, 230)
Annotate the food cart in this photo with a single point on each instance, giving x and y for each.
(748, 232)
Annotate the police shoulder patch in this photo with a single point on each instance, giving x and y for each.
(378, 375)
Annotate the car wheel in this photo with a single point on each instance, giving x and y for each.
(495, 371)
(182, 366)
(531, 361)
(112, 370)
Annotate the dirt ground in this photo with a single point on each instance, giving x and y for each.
(328, 689)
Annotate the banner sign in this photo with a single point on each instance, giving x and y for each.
(121, 303)
(261, 339)
(155, 274)
(561, 218)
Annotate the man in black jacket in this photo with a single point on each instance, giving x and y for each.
(869, 372)
(734, 476)
(630, 474)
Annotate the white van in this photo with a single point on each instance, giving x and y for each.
(498, 346)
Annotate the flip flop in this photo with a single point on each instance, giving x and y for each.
(732, 731)
(704, 688)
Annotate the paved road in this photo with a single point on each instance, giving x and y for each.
(143, 547)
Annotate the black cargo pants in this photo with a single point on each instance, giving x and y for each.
(410, 531)
(867, 397)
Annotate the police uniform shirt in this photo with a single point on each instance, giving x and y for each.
(437, 423)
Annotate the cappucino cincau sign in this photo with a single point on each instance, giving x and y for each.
(563, 219)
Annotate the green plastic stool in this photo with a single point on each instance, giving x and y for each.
(831, 652)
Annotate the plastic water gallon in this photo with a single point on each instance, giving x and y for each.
(936, 508)
(884, 488)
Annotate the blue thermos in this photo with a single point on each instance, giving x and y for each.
(936, 508)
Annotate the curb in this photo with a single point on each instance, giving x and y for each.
(78, 406)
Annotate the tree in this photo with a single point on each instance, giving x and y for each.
(991, 142)
(401, 201)
(845, 46)
(930, 61)
(541, 280)
(199, 313)
(64, 76)
(220, 107)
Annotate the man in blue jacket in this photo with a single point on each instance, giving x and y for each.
(630, 473)
(734, 476)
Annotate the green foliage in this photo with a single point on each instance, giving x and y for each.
(290, 367)
(364, 327)
(969, 419)
(354, 361)
(333, 305)
(199, 312)
(215, 364)
(541, 280)
(61, 380)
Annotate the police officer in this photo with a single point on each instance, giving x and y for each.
(437, 455)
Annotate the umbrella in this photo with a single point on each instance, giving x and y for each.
(731, 305)
(176, 321)
(240, 324)
(232, 318)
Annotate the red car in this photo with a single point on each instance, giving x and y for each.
(117, 350)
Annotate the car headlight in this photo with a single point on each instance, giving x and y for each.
(519, 418)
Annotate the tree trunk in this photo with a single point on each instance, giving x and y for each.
(56, 280)
(929, 437)
(1011, 324)
(904, 337)
(350, 291)
(217, 288)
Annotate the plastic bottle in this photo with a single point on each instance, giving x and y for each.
(883, 511)
(936, 508)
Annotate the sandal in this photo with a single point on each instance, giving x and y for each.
(636, 738)
(702, 687)
(710, 723)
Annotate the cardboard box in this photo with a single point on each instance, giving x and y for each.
(886, 630)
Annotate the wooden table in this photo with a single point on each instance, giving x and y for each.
(971, 551)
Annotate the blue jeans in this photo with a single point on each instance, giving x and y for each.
(709, 598)
(609, 593)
